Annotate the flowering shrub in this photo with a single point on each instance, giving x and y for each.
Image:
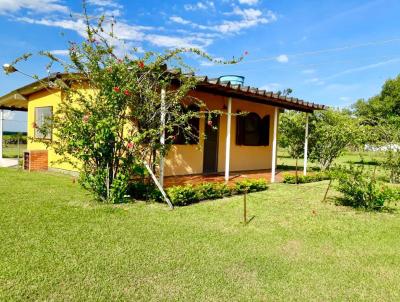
(109, 119)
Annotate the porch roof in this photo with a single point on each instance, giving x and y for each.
(255, 95)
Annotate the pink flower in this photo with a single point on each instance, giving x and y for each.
(130, 145)
(117, 89)
(210, 123)
(141, 64)
(127, 92)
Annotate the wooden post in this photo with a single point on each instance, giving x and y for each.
(1, 134)
(162, 138)
(327, 189)
(274, 145)
(18, 150)
(228, 139)
(244, 208)
(306, 147)
(158, 185)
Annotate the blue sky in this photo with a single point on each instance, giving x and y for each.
(329, 52)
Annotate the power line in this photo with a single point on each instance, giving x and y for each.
(328, 50)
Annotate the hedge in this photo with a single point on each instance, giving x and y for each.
(301, 179)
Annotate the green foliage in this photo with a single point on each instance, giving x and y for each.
(140, 190)
(362, 190)
(183, 195)
(189, 194)
(250, 185)
(392, 164)
(12, 139)
(383, 106)
(332, 131)
(109, 120)
(290, 178)
(291, 133)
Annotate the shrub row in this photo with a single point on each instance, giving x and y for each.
(188, 194)
(301, 179)
(185, 195)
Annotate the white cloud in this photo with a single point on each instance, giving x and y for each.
(106, 3)
(315, 81)
(60, 52)
(248, 2)
(271, 86)
(8, 115)
(37, 6)
(282, 59)
(172, 42)
(75, 25)
(201, 5)
(131, 35)
(308, 71)
(249, 18)
(179, 20)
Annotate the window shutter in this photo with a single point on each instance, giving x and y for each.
(239, 130)
(264, 131)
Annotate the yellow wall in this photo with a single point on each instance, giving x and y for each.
(183, 159)
(188, 159)
(44, 98)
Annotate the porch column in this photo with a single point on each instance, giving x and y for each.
(228, 139)
(274, 145)
(1, 135)
(162, 138)
(306, 147)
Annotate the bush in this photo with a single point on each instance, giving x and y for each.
(251, 185)
(301, 179)
(185, 195)
(361, 190)
(144, 191)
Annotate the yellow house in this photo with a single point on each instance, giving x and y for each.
(239, 143)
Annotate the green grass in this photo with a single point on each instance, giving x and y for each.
(11, 150)
(370, 160)
(56, 244)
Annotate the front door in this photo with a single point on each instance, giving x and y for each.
(210, 162)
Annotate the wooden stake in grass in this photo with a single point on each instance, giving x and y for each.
(245, 208)
(327, 189)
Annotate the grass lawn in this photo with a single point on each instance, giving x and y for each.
(56, 244)
(11, 150)
(370, 160)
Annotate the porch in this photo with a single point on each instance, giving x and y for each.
(220, 177)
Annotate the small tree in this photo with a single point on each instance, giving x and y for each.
(292, 131)
(389, 133)
(333, 131)
(109, 121)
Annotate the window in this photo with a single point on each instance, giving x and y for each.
(251, 130)
(43, 116)
(182, 138)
